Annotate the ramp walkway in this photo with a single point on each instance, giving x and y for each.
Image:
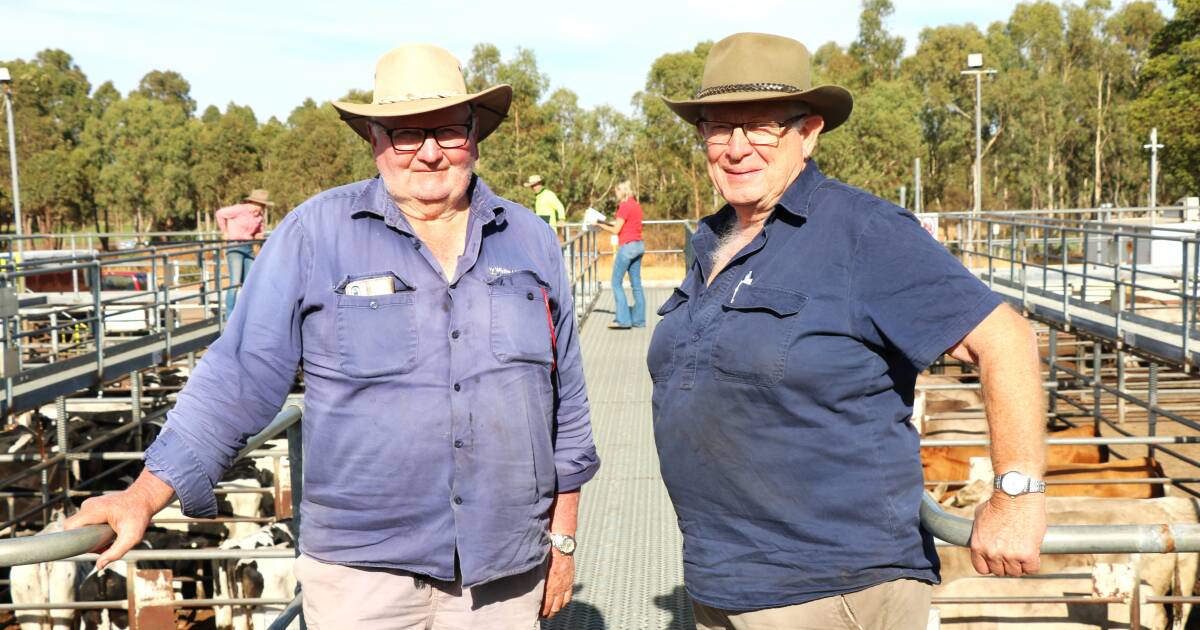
(629, 567)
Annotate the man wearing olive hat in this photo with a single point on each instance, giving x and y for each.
(784, 369)
(446, 422)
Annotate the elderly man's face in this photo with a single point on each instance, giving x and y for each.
(754, 177)
(431, 175)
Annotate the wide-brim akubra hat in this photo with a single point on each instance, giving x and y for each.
(757, 67)
(420, 78)
(259, 196)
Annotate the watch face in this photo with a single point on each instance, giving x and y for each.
(567, 545)
(1014, 483)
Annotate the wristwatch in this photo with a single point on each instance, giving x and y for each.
(564, 543)
(1014, 483)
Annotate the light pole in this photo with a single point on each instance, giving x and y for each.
(975, 67)
(1154, 146)
(6, 85)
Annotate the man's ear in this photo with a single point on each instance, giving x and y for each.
(811, 130)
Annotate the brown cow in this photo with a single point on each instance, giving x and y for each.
(953, 463)
(1143, 468)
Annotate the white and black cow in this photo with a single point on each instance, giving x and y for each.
(44, 583)
(249, 577)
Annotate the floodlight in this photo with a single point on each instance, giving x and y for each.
(975, 60)
(5, 77)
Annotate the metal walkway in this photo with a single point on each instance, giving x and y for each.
(629, 568)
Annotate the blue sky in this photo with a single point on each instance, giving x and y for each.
(272, 55)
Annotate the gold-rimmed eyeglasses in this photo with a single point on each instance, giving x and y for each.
(758, 133)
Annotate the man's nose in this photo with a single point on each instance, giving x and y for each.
(429, 151)
(739, 145)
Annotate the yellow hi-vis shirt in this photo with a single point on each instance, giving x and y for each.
(547, 206)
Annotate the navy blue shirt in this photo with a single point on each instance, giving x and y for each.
(783, 393)
(431, 425)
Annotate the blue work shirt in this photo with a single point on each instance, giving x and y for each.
(783, 393)
(432, 425)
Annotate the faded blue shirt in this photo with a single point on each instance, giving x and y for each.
(432, 425)
(783, 392)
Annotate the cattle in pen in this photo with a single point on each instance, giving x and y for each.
(1070, 574)
(255, 578)
(45, 583)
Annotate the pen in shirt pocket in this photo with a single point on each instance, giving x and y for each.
(747, 280)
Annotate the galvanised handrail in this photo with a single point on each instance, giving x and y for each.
(68, 544)
(1157, 538)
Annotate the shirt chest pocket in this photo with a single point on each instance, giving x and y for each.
(520, 317)
(660, 359)
(758, 327)
(376, 334)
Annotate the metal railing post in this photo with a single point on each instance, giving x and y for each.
(1052, 352)
(1097, 348)
(135, 401)
(64, 446)
(97, 318)
(1152, 398)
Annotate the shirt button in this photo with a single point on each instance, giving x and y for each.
(458, 443)
(457, 387)
(458, 500)
(455, 335)
(696, 337)
(529, 296)
(416, 244)
(374, 304)
(454, 285)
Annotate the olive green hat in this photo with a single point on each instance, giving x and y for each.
(757, 67)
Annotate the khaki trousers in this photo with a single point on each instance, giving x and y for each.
(338, 596)
(896, 605)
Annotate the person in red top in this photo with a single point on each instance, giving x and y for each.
(241, 222)
(630, 248)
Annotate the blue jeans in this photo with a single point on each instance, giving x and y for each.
(629, 259)
(240, 258)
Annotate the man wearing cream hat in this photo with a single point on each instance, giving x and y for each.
(784, 368)
(446, 422)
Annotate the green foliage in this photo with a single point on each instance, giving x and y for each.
(1077, 89)
(1170, 99)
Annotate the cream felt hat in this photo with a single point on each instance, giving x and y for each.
(420, 78)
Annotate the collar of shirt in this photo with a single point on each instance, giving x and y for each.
(795, 201)
(376, 200)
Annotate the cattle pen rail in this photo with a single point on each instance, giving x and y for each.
(74, 545)
(629, 568)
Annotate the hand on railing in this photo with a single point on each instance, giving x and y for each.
(1007, 535)
(128, 513)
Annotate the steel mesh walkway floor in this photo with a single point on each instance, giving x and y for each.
(629, 571)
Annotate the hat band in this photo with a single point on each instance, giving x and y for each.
(746, 87)
(413, 97)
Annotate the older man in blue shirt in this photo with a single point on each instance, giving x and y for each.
(446, 420)
(784, 369)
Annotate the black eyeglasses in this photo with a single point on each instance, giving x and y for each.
(410, 139)
(760, 133)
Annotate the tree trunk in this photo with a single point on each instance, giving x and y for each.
(1096, 190)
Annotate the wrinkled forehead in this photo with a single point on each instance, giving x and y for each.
(458, 114)
(752, 112)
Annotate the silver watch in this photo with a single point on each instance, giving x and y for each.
(565, 544)
(1014, 483)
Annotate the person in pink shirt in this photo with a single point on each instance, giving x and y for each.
(630, 249)
(241, 222)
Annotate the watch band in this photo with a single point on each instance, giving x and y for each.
(1031, 485)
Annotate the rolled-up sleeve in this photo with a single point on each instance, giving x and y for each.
(575, 457)
(242, 380)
